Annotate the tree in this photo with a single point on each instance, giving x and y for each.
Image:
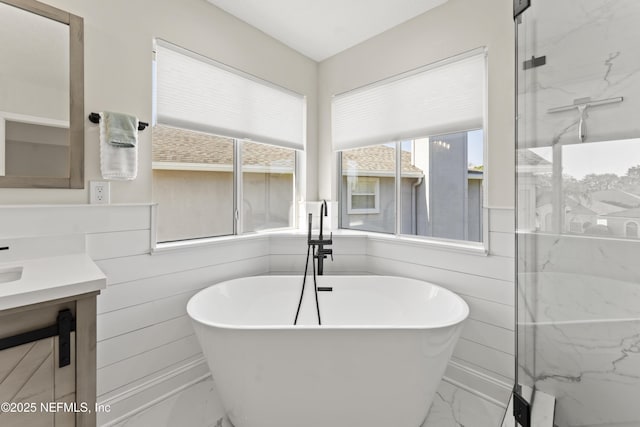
(631, 181)
(599, 182)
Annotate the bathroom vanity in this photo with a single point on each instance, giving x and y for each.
(48, 341)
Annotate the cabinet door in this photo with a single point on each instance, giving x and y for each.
(30, 381)
(26, 379)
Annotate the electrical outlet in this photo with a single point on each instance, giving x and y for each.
(99, 192)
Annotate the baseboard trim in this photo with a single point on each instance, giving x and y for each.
(173, 382)
(123, 405)
(478, 383)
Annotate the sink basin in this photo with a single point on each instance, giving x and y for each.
(10, 274)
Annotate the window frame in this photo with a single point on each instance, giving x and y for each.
(376, 194)
(456, 244)
(237, 205)
(238, 136)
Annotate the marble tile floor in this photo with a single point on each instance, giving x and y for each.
(199, 406)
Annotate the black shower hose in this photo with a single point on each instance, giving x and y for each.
(310, 250)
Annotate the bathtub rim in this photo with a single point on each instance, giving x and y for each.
(277, 327)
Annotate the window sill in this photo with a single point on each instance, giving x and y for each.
(442, 244)
(165, 247)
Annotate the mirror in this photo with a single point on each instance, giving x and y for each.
(41, 96)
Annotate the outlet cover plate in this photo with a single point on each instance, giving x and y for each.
(99, 192)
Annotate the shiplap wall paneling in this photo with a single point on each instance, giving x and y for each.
(131, 293)
(288, 255)
(58, 220)
(132, 268)
(125, 371)
(497, 267)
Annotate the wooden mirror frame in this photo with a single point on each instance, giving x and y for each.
(76, 101)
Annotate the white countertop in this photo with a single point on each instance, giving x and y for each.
(49, 278)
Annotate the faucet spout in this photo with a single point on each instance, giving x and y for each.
(323, 213)
(321, 252)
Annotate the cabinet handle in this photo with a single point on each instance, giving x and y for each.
(63, 328)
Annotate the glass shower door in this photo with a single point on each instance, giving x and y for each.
(578, 208)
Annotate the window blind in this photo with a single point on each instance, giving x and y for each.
(445, 97)
(197, 93)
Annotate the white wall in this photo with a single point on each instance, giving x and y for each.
(118, 39)
(455, 27)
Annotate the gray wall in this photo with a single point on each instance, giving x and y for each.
(448, 187)
(268, 201)
(474, 197)
(193, 204)
(200, 203)
(384, 221)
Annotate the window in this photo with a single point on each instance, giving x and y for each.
(412, 152)
(267, 186)
(442, 182)
(587, 188)
(631, 230)
(368, 188)
(193, 183)
(364, 195)
(208, 178)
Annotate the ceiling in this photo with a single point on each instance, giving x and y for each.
(321, 28)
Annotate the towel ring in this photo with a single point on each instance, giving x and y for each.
(95, 118)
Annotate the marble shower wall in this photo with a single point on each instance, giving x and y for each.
(591, 52)
(586, 328)
(579, 295)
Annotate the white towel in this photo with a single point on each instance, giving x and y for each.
(117, 162)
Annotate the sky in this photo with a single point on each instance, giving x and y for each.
(475, 149)
(579, 160)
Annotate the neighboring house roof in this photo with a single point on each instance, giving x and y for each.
(602, 208)
(628, 213)
(618, 198)
(577, 208)
(527, 157)
(528, 162)
(184, 147)
(475, 174)
(378, 160)
(592, 206)
(581, 210)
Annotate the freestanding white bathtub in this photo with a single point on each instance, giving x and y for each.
(376, 360)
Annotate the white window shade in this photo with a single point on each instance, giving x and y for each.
(194, 92)
(442, 98)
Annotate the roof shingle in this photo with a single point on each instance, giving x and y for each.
(184, 146)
